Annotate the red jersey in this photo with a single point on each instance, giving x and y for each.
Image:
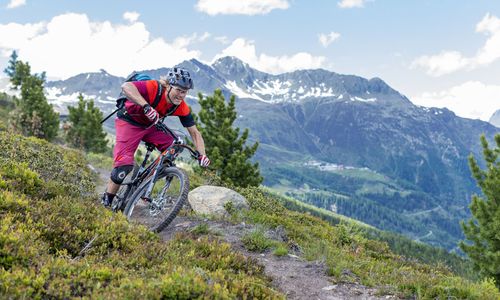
(148, 90)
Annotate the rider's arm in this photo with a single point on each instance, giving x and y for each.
(132, 93)
(197, 139)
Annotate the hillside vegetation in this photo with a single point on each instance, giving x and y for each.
(56, 241)
(48, 217)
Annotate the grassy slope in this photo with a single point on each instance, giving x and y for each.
(398, 244)
(350, 256)
(48, 218)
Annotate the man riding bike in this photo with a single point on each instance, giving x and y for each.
(135, 123)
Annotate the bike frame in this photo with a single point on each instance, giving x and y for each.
(166, 158)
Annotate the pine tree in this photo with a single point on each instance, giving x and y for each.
(482, 230)
(33, 115)
(225, 147)
(85, 129)
(11, 68)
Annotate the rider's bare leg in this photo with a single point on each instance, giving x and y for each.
(112, 187)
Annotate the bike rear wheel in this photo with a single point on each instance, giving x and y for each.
(170, 191)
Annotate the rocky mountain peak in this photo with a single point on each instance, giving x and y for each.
(495, 118)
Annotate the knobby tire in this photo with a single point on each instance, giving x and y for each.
(168, 213)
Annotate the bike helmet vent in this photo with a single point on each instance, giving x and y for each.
(181, 78)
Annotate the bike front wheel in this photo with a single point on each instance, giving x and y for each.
(170, 191)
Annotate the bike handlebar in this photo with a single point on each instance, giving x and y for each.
(177, 140)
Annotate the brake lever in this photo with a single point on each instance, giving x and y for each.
(179, 141)
(196, 154)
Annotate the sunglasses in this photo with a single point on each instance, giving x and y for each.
(179, 90)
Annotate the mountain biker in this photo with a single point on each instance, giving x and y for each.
(135, 123)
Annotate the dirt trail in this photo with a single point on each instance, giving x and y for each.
(291, 275)
(102, 180)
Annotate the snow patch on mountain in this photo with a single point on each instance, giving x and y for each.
(275, 91)
(239, 92)
(272, 88)
(356, 98)
(316, 92)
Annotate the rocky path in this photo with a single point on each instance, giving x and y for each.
(291, 275)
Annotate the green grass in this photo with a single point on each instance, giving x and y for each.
(57, 242)
(201, 229)
(99, 160)
(257, 241)
(347, 251)
(368, 175)
(281, 250)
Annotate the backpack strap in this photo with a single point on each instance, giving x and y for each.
(122, 114)
(109, 116)
(158, 95)
(171, 110)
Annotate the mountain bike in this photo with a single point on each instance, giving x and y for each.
(155, 193)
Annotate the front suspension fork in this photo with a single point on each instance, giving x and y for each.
(151, 184)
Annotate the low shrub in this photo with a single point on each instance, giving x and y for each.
(257, 241)
(57, 242)
(65, 171)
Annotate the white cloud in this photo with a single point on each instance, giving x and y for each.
(245, 50)
(16, 3)
(16, 36)
(224, 40)
(70, 44)
(472, 99)
(204, 37)
(240, 7)
(131, 16)
(327, 39)
(351, 3)
(443, 63)
(451, 61)
(185, 41)
(489, 25)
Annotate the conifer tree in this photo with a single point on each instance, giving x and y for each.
(225, 147)
(482, 230)
(11, 68)
(33, 115)
(85, 129)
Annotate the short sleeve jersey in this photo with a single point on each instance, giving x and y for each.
(148, 90)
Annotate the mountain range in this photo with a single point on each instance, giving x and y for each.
(341, 142)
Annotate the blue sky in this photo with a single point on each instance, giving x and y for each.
(439, 53)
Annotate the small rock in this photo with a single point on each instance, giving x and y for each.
(185, 224)
(211, 200)
(329, 288)
(357, 291)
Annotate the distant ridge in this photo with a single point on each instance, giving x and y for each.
(398, 160)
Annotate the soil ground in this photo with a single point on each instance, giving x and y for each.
(293, 276)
